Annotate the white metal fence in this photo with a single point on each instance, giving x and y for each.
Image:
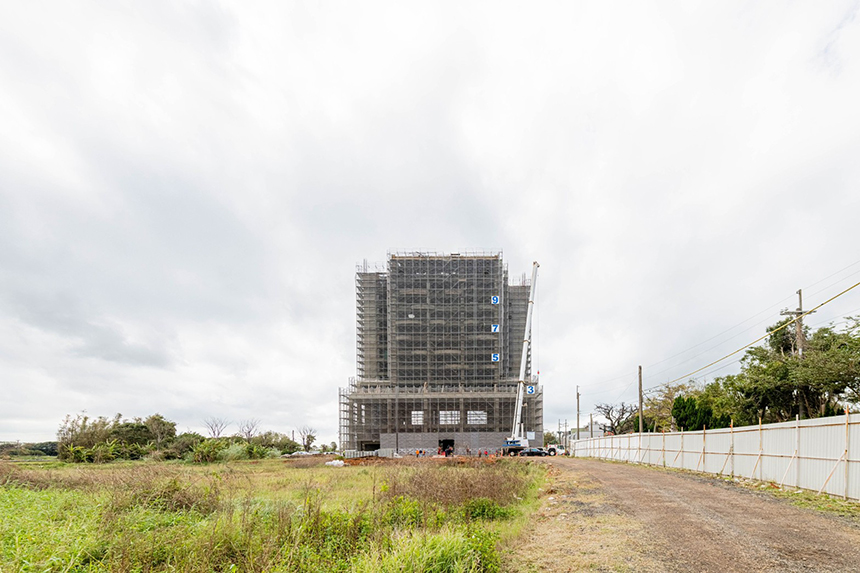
(821, 454)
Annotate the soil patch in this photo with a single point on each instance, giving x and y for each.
(686, 523)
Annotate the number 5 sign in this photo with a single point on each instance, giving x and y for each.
(495, 357)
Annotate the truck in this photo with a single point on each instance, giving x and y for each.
(517, 441)
(555, 450)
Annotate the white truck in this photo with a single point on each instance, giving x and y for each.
(555, 449)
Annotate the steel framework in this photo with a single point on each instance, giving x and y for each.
(437, 339)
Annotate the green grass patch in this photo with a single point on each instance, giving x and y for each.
(259, 516)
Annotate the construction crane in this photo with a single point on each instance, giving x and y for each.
(517, 441)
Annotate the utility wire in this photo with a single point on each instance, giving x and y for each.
(834, 284)
(747, 320)
(792, 321)
(711, 348)
(623, 376)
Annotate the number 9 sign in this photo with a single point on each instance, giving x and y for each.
(495, 299)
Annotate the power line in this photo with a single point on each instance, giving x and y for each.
(712, 347)
(833, 275)
(756, 315)
(745, 321)
(792, 321)
(834, 284)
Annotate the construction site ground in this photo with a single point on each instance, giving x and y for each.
(604, 516)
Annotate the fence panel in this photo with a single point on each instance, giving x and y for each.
(819, 454)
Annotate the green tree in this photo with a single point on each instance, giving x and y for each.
(777, 383)
(658, 405)
(162, 429)
(695, 414)
(135, 432)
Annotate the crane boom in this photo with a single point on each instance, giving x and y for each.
(518, 438)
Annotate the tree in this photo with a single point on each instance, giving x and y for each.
(249, 428)
(619, 416)
(775, 383)
(215, 426)
(308, 436)
(658, 405)
(549, 438)
(275, 440)
(135, 432)
(162, 430)
(84, 431)
(695, 414)
(782, 341)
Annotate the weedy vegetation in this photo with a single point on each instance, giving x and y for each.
(266, 515)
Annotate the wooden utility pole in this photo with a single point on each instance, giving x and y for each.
(799, 336)
(640, 399)
(799, 340)
(577, 412)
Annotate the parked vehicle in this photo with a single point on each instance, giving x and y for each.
(533, 452)
(556, 450)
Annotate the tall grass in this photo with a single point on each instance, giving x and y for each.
(250, 517)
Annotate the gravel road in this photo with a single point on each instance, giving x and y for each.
(701, 524)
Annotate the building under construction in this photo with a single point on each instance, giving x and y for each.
(439, 344)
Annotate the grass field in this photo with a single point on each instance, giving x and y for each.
(270, 515)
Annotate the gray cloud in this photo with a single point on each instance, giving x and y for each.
(185, 189)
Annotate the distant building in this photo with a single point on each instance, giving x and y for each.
(439, 344)
(592, 430)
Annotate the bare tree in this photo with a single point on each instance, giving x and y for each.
(619, 415)
(249, 428)
(308, 436)
(215, 426)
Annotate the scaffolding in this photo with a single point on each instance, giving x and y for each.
(438, 340)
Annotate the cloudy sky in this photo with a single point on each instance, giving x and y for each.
(186, 188)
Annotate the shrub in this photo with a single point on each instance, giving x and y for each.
(46, 448)
(234, 452)
(451, 486)
(208, 451)
(483, 508)
(181, 445)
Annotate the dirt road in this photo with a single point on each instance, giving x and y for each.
(620, 517)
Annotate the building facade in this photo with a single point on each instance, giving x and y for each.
(438, 348)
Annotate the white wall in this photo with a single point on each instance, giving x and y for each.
(803, 454)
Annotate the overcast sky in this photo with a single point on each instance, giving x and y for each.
(186, 188)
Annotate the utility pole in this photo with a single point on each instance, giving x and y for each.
(640, 399)
(799, 337)
(590, 425)
(799, 340)
(577, 412)
(566, 441)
